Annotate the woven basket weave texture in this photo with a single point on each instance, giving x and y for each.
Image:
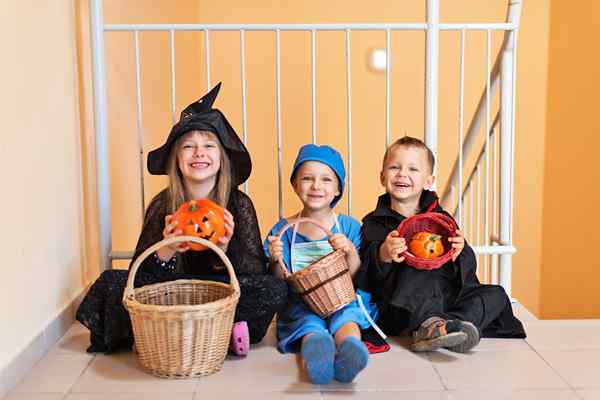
(182, 328)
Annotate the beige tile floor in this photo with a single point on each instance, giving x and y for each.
(559, 360)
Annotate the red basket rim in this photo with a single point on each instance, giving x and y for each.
(424, 263)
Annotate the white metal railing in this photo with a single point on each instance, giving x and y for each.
(503, 71)
(499, 235)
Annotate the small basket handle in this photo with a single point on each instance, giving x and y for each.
(291, 224)
(129, 291)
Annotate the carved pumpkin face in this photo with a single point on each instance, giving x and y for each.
(201, 218)
(426, 245)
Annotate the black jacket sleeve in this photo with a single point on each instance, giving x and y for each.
(372, 270)
(245, 248)
(154, 223)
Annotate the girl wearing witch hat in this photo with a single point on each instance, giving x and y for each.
(203, 158)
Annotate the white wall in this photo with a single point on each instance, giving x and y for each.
(42, 229)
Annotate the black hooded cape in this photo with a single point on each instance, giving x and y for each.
(399, 289)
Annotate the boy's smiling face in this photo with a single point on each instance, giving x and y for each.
(316, 185)
(406, 173)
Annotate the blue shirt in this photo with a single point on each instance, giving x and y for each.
(349, 227)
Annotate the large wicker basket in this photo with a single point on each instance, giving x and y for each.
(325, 285)
(434, 222)
(182, 328)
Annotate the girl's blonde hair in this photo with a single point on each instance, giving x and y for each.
(177, 192)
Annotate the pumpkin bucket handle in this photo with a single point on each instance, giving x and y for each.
(129, 291)
(291, 224)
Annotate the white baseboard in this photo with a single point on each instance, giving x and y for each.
(521, 312)
(20, 366)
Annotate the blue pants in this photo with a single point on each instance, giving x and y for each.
(297, 320)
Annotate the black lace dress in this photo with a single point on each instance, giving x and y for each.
(262, 295)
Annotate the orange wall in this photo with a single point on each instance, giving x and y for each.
(407, 99)
(570, 288)
(122, 124)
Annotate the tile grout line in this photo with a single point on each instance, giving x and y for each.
(70, 390)
(551, 367)
(437, 373)
(87, 366)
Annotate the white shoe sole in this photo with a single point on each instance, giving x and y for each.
(450, 340)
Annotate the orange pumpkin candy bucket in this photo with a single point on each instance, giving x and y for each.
(201, 218)
(424, 234)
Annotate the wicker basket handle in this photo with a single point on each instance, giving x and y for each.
(291, 224)
(176, 239)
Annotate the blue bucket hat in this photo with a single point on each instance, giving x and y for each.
(326, 155)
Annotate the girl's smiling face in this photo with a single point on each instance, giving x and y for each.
(199, 156)
(316, 185)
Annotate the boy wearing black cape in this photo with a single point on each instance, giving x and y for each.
(443, 308)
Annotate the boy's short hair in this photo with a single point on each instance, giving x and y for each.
(408, 141)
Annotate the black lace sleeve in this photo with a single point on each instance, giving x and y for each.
(245, 247)
(244, 252)
(152, 231)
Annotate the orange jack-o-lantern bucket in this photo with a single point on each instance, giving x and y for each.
(201, 218)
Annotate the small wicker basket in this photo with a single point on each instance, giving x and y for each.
(434, 222)
(325, 285)
(182, 328)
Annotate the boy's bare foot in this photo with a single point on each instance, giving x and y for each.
(436, 332)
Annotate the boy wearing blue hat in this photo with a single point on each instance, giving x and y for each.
(330, 347)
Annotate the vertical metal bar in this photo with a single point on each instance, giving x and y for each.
(513, 134)
(388, 136)
(465, 201)
(349, 113)
(494, 266)
(461, 122)
(505, 160)
(506, 144)
(495, 183)
(486, 233)
(471, 207)
(173, 82)
(278, 102)
(244, 108)
(486, 208)
(101, 133)
(314, 84)
(207, 58)
(454, 202)
(477, 236)
(140, 131)
(432, 75)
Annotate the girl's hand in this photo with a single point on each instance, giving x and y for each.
(458, 243)
(229, 227)
(171, 229)
(275, 248)
(339, 241)
(392, 248)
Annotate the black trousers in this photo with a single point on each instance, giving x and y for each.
(103, 313)
(486, 306)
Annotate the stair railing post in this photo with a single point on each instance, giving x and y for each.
(101, 133)
(432, 76)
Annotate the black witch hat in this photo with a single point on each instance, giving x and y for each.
(202, 117)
